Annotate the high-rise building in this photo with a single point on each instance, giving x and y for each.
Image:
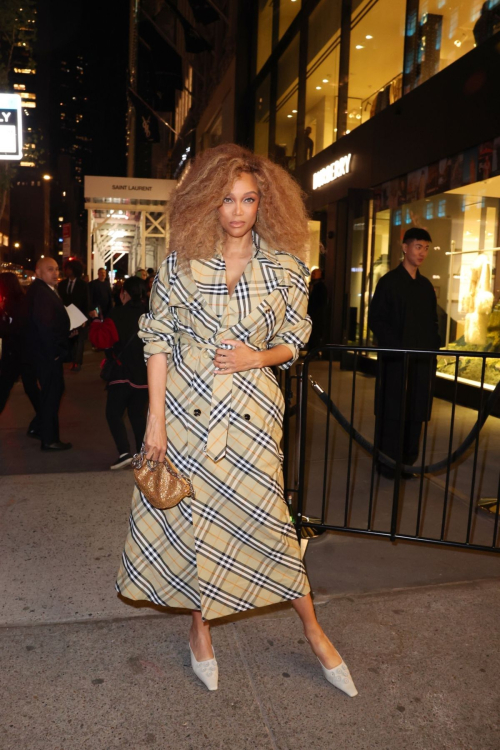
(180, 53)
(24, 81)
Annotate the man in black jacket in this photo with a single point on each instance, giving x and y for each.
(73, 290)
(403, 315)
(100, 293)
(48, 336)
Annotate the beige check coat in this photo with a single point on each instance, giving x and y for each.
(232, 547)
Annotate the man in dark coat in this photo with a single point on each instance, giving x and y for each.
(100, 293)
(403, 315)
(73, 290)
(48, 337)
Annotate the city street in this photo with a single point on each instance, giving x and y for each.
(417, 625)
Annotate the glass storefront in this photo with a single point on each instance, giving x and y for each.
(288, 9)
(261, 130)
(464, 258)
(446, 30)
(394, 46)
(376, 58)
(264, 32)
(322, 87)
(286, 106)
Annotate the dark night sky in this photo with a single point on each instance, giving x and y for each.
(100, 30)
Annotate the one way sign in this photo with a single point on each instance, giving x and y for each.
(11, 132)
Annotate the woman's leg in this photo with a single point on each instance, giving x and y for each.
(321, 646)
(199, 638)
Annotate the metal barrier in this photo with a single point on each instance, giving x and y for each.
(335, 477)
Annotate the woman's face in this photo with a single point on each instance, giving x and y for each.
(238, 211)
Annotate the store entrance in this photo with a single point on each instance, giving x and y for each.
(358, 265)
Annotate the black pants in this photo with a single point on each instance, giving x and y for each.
(77, 346)
(10, 370)
(51, 379)
(121, 397)
(389, 439)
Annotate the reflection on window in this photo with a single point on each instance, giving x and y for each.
(322, 77)
(288, 11)
(376, 58)
(286, 107)
(447, 30)
(261, 135)
(264, 32)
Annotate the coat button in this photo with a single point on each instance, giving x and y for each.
(197, 412)
(247, 417)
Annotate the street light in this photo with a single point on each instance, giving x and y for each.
(17, 244)
(47, 177)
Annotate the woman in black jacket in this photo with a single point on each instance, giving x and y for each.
(127, 379)
(13, 332)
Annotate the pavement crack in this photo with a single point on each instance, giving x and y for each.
(253, 686)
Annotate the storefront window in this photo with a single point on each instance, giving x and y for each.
(323, 55)
(463, 261)
(446, 30)
(261, 135)
(288, 11)
(315, 248)
(286, 107)
(376, 58)
(264, 32)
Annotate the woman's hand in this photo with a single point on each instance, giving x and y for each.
(237, 359)
(155, 439)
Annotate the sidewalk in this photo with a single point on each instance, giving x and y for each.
(81, 669)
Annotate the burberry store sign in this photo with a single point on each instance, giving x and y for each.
(332, 172)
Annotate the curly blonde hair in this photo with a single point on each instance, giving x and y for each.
(195, 229)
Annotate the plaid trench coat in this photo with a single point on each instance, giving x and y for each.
(232, 547)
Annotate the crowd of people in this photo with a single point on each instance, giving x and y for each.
(37, 340)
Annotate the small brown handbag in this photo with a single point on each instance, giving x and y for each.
(160, 483)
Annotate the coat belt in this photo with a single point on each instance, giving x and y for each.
(220, 407)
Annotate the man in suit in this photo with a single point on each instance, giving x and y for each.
(100, 293)
(73, 290)
(48, 337)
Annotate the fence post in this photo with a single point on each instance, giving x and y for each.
(399, 462)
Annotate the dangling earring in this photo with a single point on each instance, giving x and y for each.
(257, 216)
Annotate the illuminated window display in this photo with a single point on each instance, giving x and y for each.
(464, 256)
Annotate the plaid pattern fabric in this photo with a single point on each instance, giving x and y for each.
(232, 547)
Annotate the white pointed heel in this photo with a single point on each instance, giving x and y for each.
(341, 678)
(207, 671)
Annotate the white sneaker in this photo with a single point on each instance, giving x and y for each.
(122, 462)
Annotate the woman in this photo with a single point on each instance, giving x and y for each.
(13, 332)
(224, 310)
(127, 386)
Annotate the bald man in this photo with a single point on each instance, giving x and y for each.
(48, 345)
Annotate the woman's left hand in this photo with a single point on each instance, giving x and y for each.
(237, 359)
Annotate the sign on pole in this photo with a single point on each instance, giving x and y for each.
(11, 131)
(66, 233)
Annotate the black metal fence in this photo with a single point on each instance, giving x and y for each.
(338, 478)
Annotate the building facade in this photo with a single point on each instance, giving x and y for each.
(387, 113)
